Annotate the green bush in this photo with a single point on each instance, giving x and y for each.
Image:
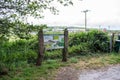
(77, 38)
(98, 40)
(92, 41)
(82, 48)
(53, 54)
(13, 53)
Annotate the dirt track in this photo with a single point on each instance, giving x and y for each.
(108, 73)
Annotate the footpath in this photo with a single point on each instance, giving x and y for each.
(111, 72)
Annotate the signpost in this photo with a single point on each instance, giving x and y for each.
(50, 42)
(53, 41)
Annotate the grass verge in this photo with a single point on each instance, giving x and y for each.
(50, 67)
(96, 61)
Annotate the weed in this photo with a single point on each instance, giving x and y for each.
(73, 60)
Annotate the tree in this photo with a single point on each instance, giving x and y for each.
(24, 31)
(18, 29)
(13, 8)
(5, 26)
(13, 13)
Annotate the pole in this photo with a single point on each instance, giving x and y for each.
(85, 21)
(109, 28)
(111, 42)
(41, 48)
(85, 11)
(99, 27)
(65, 50)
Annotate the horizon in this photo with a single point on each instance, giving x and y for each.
(102, 13)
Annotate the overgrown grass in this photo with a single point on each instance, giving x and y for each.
(97, 60)
(32, 72)
(50, 67)
(73, 60)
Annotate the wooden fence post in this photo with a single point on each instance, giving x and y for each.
(41, 47)
(111, 42)
(65, 49)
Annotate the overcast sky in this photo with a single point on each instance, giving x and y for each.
(102, 12)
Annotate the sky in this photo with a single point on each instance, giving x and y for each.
(104, 13)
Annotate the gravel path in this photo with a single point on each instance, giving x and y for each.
(107, 73)
(67, 73)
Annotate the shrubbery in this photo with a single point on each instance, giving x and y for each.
(13, 54)
(92, 41)
(82, 42)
